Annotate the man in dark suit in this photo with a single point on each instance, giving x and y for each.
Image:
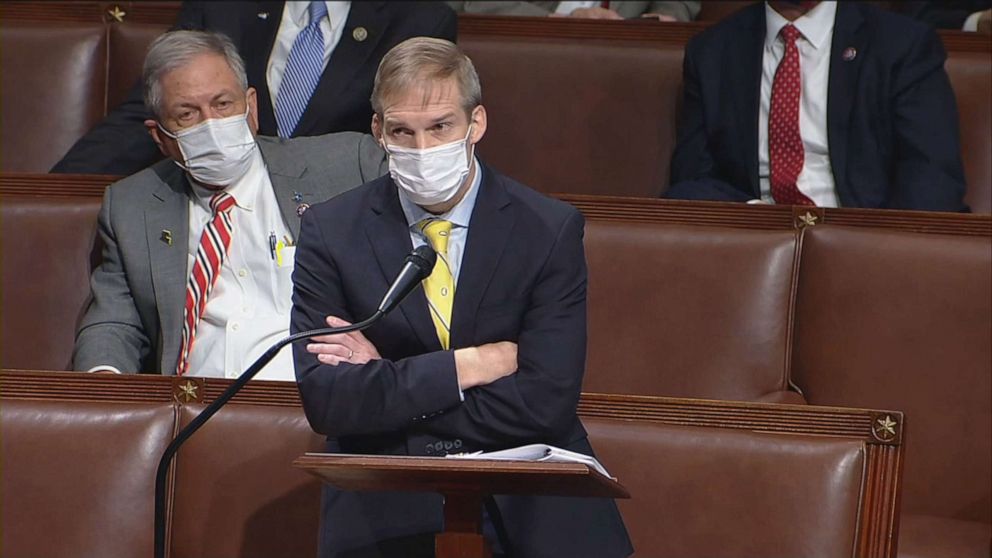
(264, 33)
(875, 124)
(489, 355)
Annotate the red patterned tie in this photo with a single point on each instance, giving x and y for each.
(785, 144)
(214, 242)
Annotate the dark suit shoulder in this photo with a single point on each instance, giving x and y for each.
(412, 19)
(729, 30)
(892, 34)
(425, 11)
(528, 200)
(530, 205)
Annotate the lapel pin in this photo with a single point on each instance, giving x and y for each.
(166, 237)
(360, 34)
(297, 197)
(263, 15)
(302, 208)
(849, 54)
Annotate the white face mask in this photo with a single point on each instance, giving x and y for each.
(430, 176)
(217, 151)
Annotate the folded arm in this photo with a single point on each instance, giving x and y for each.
(537, 403)
(532, 401)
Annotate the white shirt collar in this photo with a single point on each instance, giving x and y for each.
(816, 25)
(300, 11)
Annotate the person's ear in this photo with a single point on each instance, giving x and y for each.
(479, 122)
(251, 97)
(151, 126)
(377, 128)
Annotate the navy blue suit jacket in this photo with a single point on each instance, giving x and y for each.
(892, 122)
(522, 279)
(120, 144)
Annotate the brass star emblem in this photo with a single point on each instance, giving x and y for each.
(808, 219)
(885, 428)
(117, 13)
(187, 391)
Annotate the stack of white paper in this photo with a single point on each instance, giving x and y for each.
(537, 452)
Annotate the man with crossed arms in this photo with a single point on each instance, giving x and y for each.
(488, 355)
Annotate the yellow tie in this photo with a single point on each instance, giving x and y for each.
(440, 286)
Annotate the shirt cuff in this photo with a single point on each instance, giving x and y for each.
(971, 24)
(105, 367)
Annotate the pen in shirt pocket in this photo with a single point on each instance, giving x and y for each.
(272, 244)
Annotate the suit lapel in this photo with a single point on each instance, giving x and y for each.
(389, 235)
(744, 63)
(841, 91)
(261, 28)
(167, 217)
(288, 177)
(488, 232)
(348, 57)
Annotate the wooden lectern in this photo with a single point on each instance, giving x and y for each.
(463, 483)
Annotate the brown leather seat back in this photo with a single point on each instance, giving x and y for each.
(713, 492)
(47, 249)
(971, 77)
(76, 473)
(128, 46)
(579, 116)
(900, 320)
(688, 311)
(52, 90)
(249, 492)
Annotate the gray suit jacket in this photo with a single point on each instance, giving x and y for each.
(134, 319)
(680, 10)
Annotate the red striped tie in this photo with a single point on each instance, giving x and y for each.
(785, 144)
(214, 242)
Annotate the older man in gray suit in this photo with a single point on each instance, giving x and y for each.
(198, 250)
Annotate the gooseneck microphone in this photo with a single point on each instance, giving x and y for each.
(418, 266)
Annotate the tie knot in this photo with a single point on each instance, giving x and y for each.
(318, 11)
(789, 33)
(222, 202)
(437, 232)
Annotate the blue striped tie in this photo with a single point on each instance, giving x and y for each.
(303, 69)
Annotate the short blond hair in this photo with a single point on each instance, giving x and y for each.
(423, 61)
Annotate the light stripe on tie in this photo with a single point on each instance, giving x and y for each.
(303, 69)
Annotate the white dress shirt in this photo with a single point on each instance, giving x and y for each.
(971, 24)
(248, 309)
(816, 180)
(295, 18)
